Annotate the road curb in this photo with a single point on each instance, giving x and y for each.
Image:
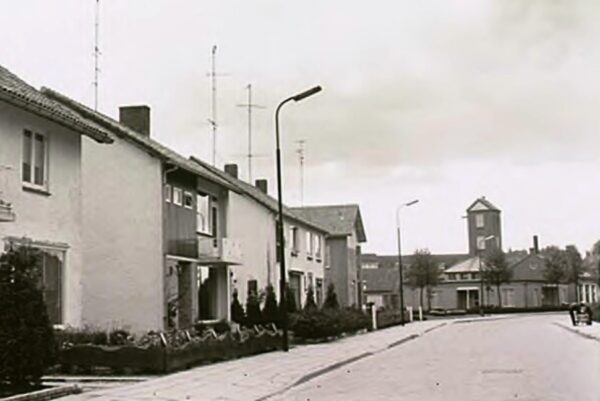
(46, 394)
(329, 368)
(572, 330)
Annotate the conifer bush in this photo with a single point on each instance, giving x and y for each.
(237, 310)
(253, 312)
(331, 301)
(26, 337)
(270, 312)
(310, 303)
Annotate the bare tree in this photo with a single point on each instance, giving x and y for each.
(496, 271)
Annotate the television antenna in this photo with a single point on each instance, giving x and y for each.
(249, 106)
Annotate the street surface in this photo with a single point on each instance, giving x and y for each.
(512, 357)
(521, 358)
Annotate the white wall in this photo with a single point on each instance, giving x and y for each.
(301, 262)
(123, 228)
(55, 217)
(253, 225)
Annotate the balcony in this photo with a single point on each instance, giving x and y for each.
(6, 211)
(219, 251)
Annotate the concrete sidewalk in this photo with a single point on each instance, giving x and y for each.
(591, 332)
(263, 376)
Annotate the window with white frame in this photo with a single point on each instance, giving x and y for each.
(327, 256)
(479, 221)
(203, 214)
(508, 297)
(294, 239)
(309, 243)
(177, 196)
(168, 193)
(35, 159)
(317, 245)
(188, 200)
(480, 242)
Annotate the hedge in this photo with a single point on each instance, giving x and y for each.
(162, 352)
(323, 324)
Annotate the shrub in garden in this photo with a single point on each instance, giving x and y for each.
(291, 300)
(315, 324)
(26, 335)
(331, 301)
(310, 303)
(253, 313)
(270, 312)
(237, 310)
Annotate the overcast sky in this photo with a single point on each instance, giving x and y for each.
(438, 101)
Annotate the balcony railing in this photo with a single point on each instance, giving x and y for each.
(6, 211)
(219, 250)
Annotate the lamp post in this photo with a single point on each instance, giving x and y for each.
(282, 287)
(400, 269)
(485, 240)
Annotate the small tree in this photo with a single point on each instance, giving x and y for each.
(270, 312)
(575, 268)
(331, 301)
(253, 313)
(290, 297)
(424, 274)
(26, 335)
(310, 303)
(556, 267)
(496, 271)
(237, 310)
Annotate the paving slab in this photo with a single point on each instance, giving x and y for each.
(263, 376)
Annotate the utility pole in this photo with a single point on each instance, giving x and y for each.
(300, 152)
(250, 106)
(96, 53)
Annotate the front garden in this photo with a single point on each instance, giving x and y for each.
(31, 348)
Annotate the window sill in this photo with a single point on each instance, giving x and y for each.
(36, 190)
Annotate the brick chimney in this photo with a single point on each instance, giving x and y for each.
(136, 117)
(232, 170)
(262, 184)
(536, 246)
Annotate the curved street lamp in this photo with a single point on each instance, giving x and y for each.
(282, 287)
(400, 269)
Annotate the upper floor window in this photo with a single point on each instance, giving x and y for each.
(177, 196)
(203, 214)
(317, 245)
(168, 193)
(309, 243)
(327, 256)
(479, 221)
(480, 242)
(188, 200)
(294, 239)
(35, 159)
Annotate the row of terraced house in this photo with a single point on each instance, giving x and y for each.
(135, 235)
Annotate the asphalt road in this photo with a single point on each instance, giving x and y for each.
(522, 358)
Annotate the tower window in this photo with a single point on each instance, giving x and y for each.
(479, 221)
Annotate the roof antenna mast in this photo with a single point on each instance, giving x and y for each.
(96, 53)
(300, 152)
(250, 106)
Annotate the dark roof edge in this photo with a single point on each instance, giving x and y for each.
(116, 128)
(59, 118)
(243, 190)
